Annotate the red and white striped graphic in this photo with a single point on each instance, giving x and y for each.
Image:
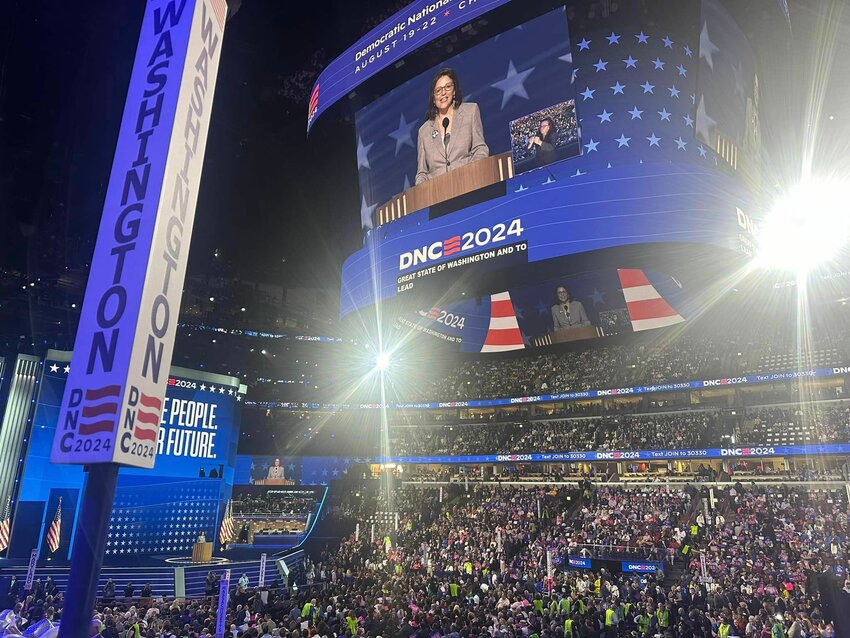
(647, 308)
(227, 531)
(504, 333)
(100, 410)
(55, 531)
(219, 7)
(5, 527)
(147, 417)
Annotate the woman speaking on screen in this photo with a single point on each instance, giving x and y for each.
(452, 134)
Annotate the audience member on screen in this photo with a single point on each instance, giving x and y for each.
(544, 142)
(568, 313)
(276, 470)
(453, 134)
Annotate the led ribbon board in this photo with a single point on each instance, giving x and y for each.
(113, 401)
(405, 31)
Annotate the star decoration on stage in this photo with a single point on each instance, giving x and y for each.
(631, 63)
(613, 39)
(618, 89)
(591, 145)
(605, 116)
(653, 140)
(587, 94)
(54, 368)
(635, 113)
(680, 143)
(67, 369)
(601, 65)
(659, 65)
(622, 140)
(513, 85)
(664, 114)
(642, 38)
(647, 87)
(584, 45)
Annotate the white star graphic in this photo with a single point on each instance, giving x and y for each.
(203, 387)
(665, 116)
(738, 72)
(54, 368)
(658, 64)
(601, 65)
(701, 150)
(647, 87)
(668, 43)
(635, 113)
(689, 121)
(707, 48)
(366, 212)
(622, 140)
(631, 63)
(66, 369)
(591, 146)
(688, 51)
(604, 116)
(212, 388)
(653, 141)
(704, 123)
(682, 70)
(587, 94)
(618, 88)
(221, 390)
(613, 39)
(239, 397)
(403, 135)
(513, 83)
(680, 143)
(584, 45)
(642, 38)
(674, 92)
(363, 153)
(230, 392)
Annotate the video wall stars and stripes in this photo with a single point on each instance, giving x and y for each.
(647, 308)
(6, 526)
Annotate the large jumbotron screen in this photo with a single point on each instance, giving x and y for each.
(656, 111)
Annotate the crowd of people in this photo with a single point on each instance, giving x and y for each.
(492, 562)
(272, 502)
(686, 430)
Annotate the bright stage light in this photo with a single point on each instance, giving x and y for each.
(807, 227)
(382, 361)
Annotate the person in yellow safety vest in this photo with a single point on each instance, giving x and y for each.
(694, 529)
(611, 619)
(467, 567)
(566, 605)
(663, 616)
(643, 621)
(569, 628)
(723, 629)
(597, 586)
(453, 590)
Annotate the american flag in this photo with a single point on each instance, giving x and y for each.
(5, 527)
(227, 531)
(55, 531)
